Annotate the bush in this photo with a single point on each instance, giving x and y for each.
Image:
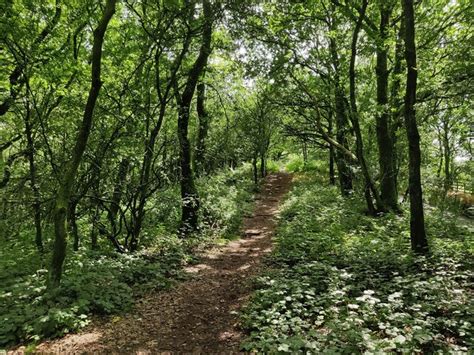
(296, 164)
(225, 198)
(92, 283)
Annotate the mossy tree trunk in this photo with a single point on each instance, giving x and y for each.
(68, 178)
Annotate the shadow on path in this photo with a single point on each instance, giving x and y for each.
(200, 314)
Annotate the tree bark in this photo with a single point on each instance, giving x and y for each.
(254, 169)
(448, 178)
(189, 193)
(344, 171)
(34, 185)
(263, 168)
(332, 174)
(118, 189)
(203, 128)
(396, 100)
(68, 179)
(72, 223)
(388, 182)
(418, 238)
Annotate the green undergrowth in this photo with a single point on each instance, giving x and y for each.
(296, 164)
(343, 282)
(104, 282)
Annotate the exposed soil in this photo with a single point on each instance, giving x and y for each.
(199, 315)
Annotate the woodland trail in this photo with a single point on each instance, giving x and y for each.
(198, 315)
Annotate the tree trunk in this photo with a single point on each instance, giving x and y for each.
(94, 223)
(419, 242)
(72, 223)
(388, 183)
(448, 179)
(68, 179)
(254, 169)
(396, 100)
(369, 186)
(34, 185)
(117, 194)
(203, 128)
(345, 174)
(189, 193)
(305, 153)
(332, 174)
(263, 168)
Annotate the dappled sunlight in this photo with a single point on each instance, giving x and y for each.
(197, 268)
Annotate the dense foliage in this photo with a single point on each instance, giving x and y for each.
(343, 283)
(133, 134)
(106, 282)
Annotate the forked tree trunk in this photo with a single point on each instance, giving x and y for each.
(69, 176)
(419, 242)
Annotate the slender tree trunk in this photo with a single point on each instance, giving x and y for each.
(33, 182)
(189, 193)
(72, 223)
(263, 169)
(68, 179)
(203, 128)
(388, 183)
(254, 169)
(94, 223)
(305, 153)
(448, 178)
(118, 191)
(369, 188)
(332, 173)
(342, 127)
(419, 241)
(396, 99)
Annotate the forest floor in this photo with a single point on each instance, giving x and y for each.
(199, 315)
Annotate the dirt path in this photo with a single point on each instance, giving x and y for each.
(198, 315)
